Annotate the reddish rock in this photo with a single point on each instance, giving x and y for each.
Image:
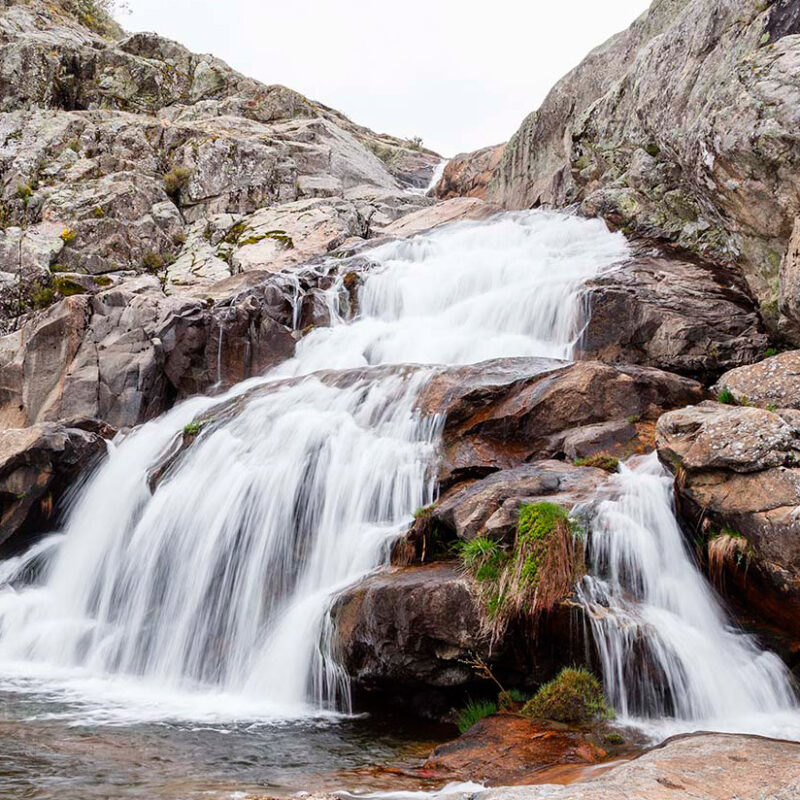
(507, 749)
(469, 174)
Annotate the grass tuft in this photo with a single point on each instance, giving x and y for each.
(473, 712)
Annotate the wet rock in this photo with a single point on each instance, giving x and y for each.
(507, 750)
(38, 465)
(491, 505)
(738, 475)
(773, 382)
(410, 627)
(468, 174)
(503, 413)
(673, 313)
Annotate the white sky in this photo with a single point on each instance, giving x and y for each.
(461, 74)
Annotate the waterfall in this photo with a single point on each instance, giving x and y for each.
(206, 598)
(672, 660)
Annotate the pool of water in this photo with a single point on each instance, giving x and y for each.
(46, 755)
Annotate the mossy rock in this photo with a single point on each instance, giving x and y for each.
(574, 696)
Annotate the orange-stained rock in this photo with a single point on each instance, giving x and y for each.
(469, 174)
(507, 749)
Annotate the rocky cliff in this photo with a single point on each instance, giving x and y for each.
(682, 130)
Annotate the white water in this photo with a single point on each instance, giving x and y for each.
(207, 599)
(672, 660)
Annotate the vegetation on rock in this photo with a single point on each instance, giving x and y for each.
(473, 712)
(574, 695)
(603, 461)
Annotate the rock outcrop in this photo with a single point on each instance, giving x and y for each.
(503, 413)
(677, 314)
(468, 174)
(738, 485)
(682, 129)
(38, 465)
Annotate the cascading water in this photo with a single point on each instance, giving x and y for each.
(672, 661)
(207, 597)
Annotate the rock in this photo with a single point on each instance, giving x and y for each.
(711, 766)
(738, 474)
(468, 174)
(126, 354)
(507, 749)
(38, 465)
(684, 128)
(773, 382)
(456, 210)
(491, 505)
(503, 413)
(410, 627)
(124, 155)
(677, 314)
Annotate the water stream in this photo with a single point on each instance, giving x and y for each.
(196, 611)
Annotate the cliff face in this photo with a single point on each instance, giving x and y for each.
(685, 129)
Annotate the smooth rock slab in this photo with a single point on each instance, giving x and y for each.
(774, 382)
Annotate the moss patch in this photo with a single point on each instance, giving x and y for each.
(574, 696)
(603, 461)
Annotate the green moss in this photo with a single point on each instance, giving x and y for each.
(537, 522)
(652, 149)
(574, 696)
(770, 352)
(102, 280)
(59, 268)
(279, 236)
(603, 461)
(193, 428)
(772, 407)
(67, 287)
(41, 296)
(473, 712)
(99, 212)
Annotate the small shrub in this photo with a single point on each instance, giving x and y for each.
(772, 351)
(24, 192)
(68, 236)
(613, 738)
(41, 296)
(772, 407)
(473, 712)
(175, 180)
(575, 695)
(414, 143)
(193, 428)
(726, 396)
(153, 261)
(599, 460)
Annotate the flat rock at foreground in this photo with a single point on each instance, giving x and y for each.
(701, 767)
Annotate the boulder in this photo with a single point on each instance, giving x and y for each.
(410, 628)
(458, 209)
(677, 314)
(772, 383)
(738, 487)
(468, 174)
(38, 465)
(503, 413)
(683, 129)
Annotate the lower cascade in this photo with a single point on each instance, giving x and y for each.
(207, 597)
(671, 659)
(202, 593)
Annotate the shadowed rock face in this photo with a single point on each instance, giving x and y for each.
(737, 474)
(684, 128)
(37, 467)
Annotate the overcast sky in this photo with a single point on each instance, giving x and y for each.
(460, 74)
